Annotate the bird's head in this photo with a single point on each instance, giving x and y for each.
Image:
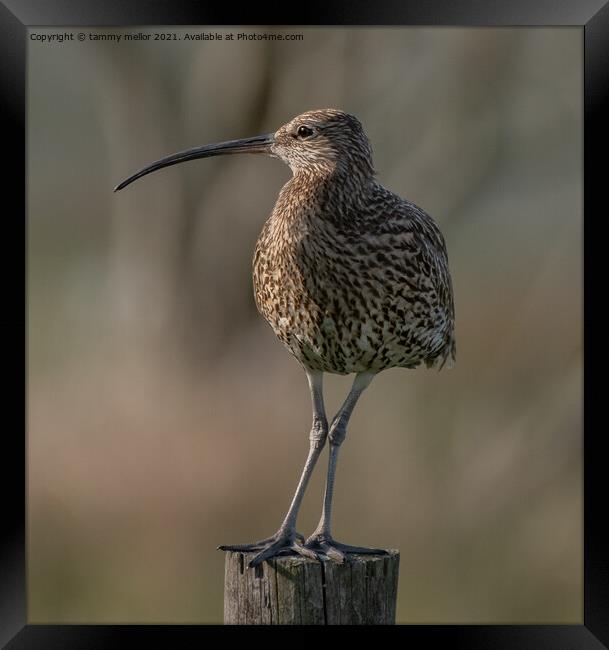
(319, 142)
(324, 141)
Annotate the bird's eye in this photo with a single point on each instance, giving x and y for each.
(304, 131)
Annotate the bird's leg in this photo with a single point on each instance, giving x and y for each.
(286, 540)
(321, 540)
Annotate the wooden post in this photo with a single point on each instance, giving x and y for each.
(293, 590)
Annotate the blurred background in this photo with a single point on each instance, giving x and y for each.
(164, 418)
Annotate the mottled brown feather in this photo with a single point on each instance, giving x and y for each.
(350, 276)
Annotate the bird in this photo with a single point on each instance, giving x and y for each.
(352, 278)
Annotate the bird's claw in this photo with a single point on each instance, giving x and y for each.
(282, 543)
(318, 547)
(259, 545)
(327, 547)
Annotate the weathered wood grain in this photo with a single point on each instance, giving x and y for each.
(294, 590)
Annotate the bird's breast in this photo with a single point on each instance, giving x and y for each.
(350, 298)
(280, 275)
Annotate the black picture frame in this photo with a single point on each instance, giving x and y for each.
(17, 15)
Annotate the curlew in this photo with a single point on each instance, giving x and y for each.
(352, 278)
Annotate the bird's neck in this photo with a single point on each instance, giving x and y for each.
(330, 194)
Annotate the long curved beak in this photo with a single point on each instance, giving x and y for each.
(257, 144)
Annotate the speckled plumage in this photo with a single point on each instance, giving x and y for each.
(350, 276)
(352, 279)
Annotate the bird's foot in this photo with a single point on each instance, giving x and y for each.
(325, 547)
(283, 542)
